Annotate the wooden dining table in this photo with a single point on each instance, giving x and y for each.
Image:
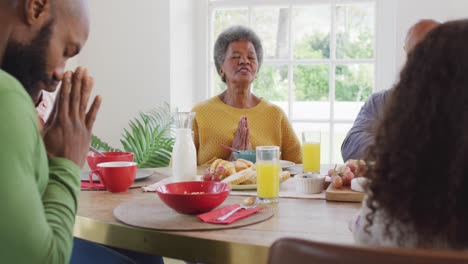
(313, 219)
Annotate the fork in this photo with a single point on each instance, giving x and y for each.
(229, 148)
(241, 206)
(96, 151)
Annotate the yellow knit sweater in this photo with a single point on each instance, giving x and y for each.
(216, 123)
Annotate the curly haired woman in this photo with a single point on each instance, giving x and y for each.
(418, 190)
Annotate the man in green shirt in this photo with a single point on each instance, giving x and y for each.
(40, 178)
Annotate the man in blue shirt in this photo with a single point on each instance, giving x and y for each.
(361, 135)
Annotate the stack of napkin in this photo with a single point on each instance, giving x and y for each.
(86, 185)
(211, 217)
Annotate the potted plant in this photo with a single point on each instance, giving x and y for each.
(150, 138)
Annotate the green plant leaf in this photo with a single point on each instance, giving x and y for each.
(98, 144)
(150, 138)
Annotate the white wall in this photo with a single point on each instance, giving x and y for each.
(128, 55)
(410, 11)
(142, 56)
(385, 45)
(182, 49)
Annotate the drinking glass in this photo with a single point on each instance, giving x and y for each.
(184, 154)
(268, 171)
(184, 119)
(311, 151)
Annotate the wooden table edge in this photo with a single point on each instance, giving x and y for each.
(168, 244)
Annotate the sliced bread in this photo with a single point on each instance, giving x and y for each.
(239, 177)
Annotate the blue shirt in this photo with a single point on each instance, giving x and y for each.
(362, 134)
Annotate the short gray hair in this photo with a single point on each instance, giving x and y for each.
(232, 34)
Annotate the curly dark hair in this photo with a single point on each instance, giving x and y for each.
(418, 166)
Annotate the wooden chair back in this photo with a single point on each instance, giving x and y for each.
(298, 251)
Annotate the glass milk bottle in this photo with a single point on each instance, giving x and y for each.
(184, 154)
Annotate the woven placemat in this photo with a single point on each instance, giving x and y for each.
(152, 213)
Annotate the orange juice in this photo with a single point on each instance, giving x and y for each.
(268, 179)
(311, 157)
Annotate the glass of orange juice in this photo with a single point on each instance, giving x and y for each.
(268, 171)
(311, 151)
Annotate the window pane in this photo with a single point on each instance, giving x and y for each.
(324, 128)
(311, 92)
(354, 84)
(226, 17)
(272, 84)
(272, 25)
(311, 82)
(311, 31)
(347, 110)
(355, 31)
(340, 133)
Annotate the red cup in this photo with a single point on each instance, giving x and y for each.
(116, 176)
(94, 159)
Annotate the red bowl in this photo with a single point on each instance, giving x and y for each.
(94, 159)
(193, 197)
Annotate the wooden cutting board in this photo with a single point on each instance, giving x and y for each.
(343, 195)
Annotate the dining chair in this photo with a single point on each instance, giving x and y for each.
(298, 251)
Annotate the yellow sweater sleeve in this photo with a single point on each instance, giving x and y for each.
(216, 124)
(290, 145)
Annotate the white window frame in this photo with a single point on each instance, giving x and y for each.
(383, 61)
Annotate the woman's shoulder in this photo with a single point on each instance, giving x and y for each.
(270, 107)
(208, 104)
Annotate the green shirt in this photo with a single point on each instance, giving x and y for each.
(38, 196)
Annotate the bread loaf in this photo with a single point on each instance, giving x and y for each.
(252, 179)
(215, 164)
(241, 172)
(284, 175)
(239, 177)
(242, 164)
(229, 168)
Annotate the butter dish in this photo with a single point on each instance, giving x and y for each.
(309, 183)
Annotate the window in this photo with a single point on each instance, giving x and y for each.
(319, 60)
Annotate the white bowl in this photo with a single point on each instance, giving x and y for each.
(309, 183)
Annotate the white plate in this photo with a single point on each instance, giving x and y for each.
(244, 187)
(286, 164)
(140, 175)
(240, 187)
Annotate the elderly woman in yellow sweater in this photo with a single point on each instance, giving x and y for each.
(237, 117)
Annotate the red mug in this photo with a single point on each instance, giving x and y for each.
(116, 176)
(94, 159)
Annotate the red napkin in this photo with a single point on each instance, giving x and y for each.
(210, 217)
(85, 185)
